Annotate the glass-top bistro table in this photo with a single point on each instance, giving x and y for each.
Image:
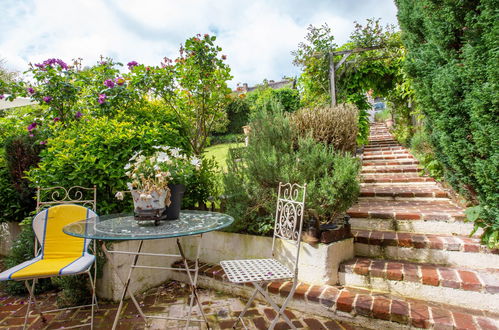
(125, 227)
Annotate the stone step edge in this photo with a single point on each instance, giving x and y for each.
(458, 278)
(452, 243)
(441, 194)
(349, 303)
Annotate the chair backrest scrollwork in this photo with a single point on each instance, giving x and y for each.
(289, 215)
(46, 197)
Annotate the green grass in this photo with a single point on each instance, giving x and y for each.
(220, 152)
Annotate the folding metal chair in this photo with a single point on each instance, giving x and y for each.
(58, 254)
(288, 226)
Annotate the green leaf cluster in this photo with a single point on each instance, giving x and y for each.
(277, 154)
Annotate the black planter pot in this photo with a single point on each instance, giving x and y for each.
(177, 193)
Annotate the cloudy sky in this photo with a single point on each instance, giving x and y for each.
(256, 35)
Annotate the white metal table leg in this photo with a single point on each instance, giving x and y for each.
(125, 289)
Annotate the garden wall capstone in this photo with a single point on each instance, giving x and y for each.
(8, 233)
(318, 264)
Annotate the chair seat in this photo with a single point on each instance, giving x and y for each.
(254, 270)
(38, 267)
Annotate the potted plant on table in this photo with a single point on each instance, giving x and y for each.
(158, 182)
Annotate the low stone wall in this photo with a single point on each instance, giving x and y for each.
(8, 233)
(318, 264)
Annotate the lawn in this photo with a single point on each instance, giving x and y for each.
(220, 152)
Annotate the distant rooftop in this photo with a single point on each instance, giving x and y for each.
(18, 102)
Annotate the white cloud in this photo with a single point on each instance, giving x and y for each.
(257, 36)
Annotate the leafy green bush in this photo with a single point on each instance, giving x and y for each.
(95, 152)
(238, 115)
(228, 138)
(452, 58)
(273, 156)
(335, 126)
(287, 98)
(423, 150)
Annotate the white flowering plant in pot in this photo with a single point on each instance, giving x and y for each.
(153, 177)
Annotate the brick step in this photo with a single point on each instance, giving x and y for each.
(451, 285)
(386, 153)
(390, 169)
(386, 178)
(368, 308)
(400, 191)
(381, 144)
(389, 157)
(442, 210)
(447, 250)
(381, 162)
(382, 141)
(387, 148)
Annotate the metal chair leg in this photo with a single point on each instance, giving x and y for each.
(248, 304)
(94, 300)
(280, 311)
(29, 301)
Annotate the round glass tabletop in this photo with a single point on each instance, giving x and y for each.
(125, 227)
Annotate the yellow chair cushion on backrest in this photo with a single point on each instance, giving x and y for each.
(56, 244)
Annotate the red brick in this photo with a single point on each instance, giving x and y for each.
(363, 305)
(301, 290)
(435, 242)
(258, 321)
(362, 266)
(449, 278)
(381, 308)
(471, 247)
(420, 316)
(314, 293)
(358, 214)
(381, 215)
(407, 216)
(285, 289)
(394, 271)
(470, 281)
(274, 287)
(314, 324)
(377, 268)
(390, 238)
(329, 296)
(362, 236)
(400, 311)
(376, 238)
(442, 318)
(419, 241)
(404, 239)
(411, 273)
(345, 301)
(333, 325)
(486, 323)
(430, 275)
(463, 321)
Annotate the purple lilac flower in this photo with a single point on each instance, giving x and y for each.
(31, 135)
(56, 119)
(50, 62)
(132, 64)
(31, 90)
(109, 83)
(47, 99)
(2, 96)
(102, 98)
(120, 81)
(43, 142)
(32, 126)
(78, 115)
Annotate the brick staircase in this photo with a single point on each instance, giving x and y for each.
(411, 243)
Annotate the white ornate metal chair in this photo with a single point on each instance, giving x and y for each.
(288, 226)
(57, 254)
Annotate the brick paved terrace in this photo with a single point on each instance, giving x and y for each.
(168, 299)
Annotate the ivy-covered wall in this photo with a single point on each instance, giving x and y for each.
(453, 56)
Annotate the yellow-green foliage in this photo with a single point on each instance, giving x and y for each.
(334, 126)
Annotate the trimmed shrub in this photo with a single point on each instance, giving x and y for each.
(275, 153)
(334, 126)
(238, 115)
(452, 56)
